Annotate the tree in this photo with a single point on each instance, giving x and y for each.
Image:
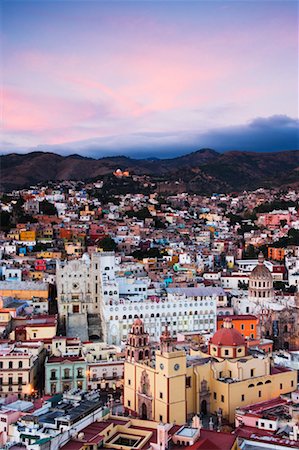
(4, 220)
(108, 244)
(242, 285)
(47, 208)
(250, 252)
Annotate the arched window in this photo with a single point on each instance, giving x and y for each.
(260, 383)
(251, 386)
(268, 382)
(124, 317)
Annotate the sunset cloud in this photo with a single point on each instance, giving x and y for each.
(133, 75)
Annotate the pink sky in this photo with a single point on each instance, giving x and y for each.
(78, 71)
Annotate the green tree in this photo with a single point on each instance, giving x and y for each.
(47, 208)
(5, 220)
(108, 244)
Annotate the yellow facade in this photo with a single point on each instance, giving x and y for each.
(24, 294)
(168, 389)
(167, 386)
(36, 275)
(27, 235)
(37, 332)
(48, 255)
(14, 235)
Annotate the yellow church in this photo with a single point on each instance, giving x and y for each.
(172, 386)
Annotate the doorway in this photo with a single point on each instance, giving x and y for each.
(204, 407)
(143, 411)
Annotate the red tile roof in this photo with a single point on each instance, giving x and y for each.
(73, 445)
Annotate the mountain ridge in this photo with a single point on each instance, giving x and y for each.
(204, 170)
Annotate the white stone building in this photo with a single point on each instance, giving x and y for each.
(89, 299)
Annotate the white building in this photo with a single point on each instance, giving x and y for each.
(88, 289)
(292, 265)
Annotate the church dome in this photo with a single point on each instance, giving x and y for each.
(228, 337)
(261, 272)
(228, 342)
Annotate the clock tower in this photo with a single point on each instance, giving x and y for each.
(171, 381)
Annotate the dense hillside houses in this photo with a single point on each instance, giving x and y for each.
(131, 318)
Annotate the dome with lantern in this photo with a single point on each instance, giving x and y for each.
(260, 281)
(261, 272)
(227, 342)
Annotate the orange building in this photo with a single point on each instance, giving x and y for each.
(277, 254)
(246, 324)
(27, 235)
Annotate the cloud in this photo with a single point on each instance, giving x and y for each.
(274, 133)
(278, 132)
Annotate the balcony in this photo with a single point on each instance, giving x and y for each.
(80, 376)
(53, 378)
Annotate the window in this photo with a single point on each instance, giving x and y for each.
(188, 382)
(34, 335)
(226, 352)
(129, 382)
(270, 425)
(292, 383)
(10, 365)
(215, 395)
(251, 385)
(280, 387)
(252, 326)
(129, 402)
(161, 394)
(161, 418)
(252, 372)
(10, 380)
(1, 365)
(222, 398)
(20, 364)
(263, 424)
(242, 326)
(20, 380)
(260, 393)
(242, 398)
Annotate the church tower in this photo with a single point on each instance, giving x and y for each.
(171, 371)
(137, 348)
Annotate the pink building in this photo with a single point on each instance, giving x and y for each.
(274, 219)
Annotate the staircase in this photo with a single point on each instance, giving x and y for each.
(77, 326)
(95, 331)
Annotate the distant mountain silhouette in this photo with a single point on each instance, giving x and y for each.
(203, 171)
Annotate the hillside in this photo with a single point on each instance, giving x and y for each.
(202, 171)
